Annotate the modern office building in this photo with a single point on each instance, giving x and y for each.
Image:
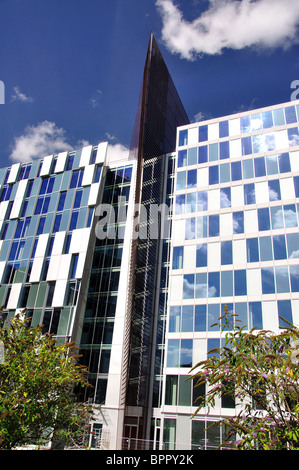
(134, 259)
(235, 242)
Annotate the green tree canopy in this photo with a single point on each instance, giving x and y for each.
(259, 370)
(37, 379)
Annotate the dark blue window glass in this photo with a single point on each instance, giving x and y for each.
(246, 146)
(202, 133)
(186, 353)
(255, 315)
(202, 201)
(252, 250)
(226, 252)
(203, 154)
(13, 251)
(44, 186)
(214, 284)
(268, 284)
(249, 193)
(290, 114)
(182, 158)
(264, 219)
(284, 308)
(74, 220)
(224, 150)
(223, 129)
(213, 174)
(39, 205)
(183, 137)
(190, 229)
(192, 178)
(225, 197)
(201, 286)
(41, 225)
(46, 204)
(294, 275)
(201, 255)
(200, 318)
(296, 185)
(78, 198)
(214, 225)
(70, 162)
(284, 163)
(213, 316)
(236, 171)
(279, 247)
(61, 201)
(50, 185)
(240, 282)
(238, 222)
(259, 167)
(274, 190)
(178, 257)
(57, 223)
(213, 343)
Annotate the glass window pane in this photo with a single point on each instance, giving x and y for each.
(258, 143)
(202, 201)
(241, 312)
(259, 167)
(178, 257)
(201, 255)
(213, 316)
(264, 219)
(190, 229)
(240, 282)
(245, 124)
(188, 286)
(202, 133)
(246, 146)
(225, 197)
(223, 129)
(202, 227)
(180, 202)
(296, 185)
(214, 225)
(171, 390)
(238, 222)
(187, 318)
(274, 190)
(200, 320)
(203, 154)
(249, 193)
(227, 284)
(173, 352)
(214, 174)
(201, 291)
(255, 315)
(277, 217)
(290, 216)
(284, 308)
(192, 156)
(184, 391)
(192, 179)
(247, 169)
(293, 245)
(182, 158)
(181, 180)
(224, 150)
(213, 152)
(191, 203)
(226, 252)
(282, 279)
(268, 285)
(278, 115)
(175, 319)
(252, 250)
(183, 137)
(236, 171)
(279, 247)
(256, 122)
(214, 284)
(272, 164)
(294, 275)
(266, 249)
(225, 173)
(290, 114)
(186, 353)
(293, 136)
(284, 163)
(267, 118)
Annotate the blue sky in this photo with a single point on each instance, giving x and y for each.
(72, 69)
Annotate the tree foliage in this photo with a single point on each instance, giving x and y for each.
(259, 370)
(37, 379)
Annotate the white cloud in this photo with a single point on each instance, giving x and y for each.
(232, 24)
(20, 96)
(38, 141)
(117, 152)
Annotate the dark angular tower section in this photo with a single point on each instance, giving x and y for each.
(160, 112)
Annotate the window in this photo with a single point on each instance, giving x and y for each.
(203, 154)
(202, 201)
(226, 252)
(74, 220)
(224, 173)
(274, 190)
(284, 308)
(214, 284)
(277, 220)
(214, 225)
(290, 216)
(294, 275)
(61, 201)
(181, 180)
(224, 150)
(255, 315)
(240, 282)
(268, 284)
(247, 169)
(267, 119)
(223, 129)
(173, 353)
(192, 156)
(76, 179)
(266, 249)
(188, 286)
(272, 165)
(227, 283)
(202, 227)
(78, 198)
(187, 318)
(186, 353)
(200, 318)
(183, 137)
(213, 152)
(279, 247)
(74, 264)
(214, 174)
(201, 255)
(282, 279)
(191, 179)
(171, 393)
(293, 245)
(284, 163)
(238, 222)
(175, 319)
(263, 219)
(246, 146)
(290, 114)
(201, 291)
(245, 124)
(202, 133)
(182, 158)
(225, 197)
(236, 171)
(252, 250)
(180, 202)
(190, 229)
(178, 257)
(259, 167)
(249, 193)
